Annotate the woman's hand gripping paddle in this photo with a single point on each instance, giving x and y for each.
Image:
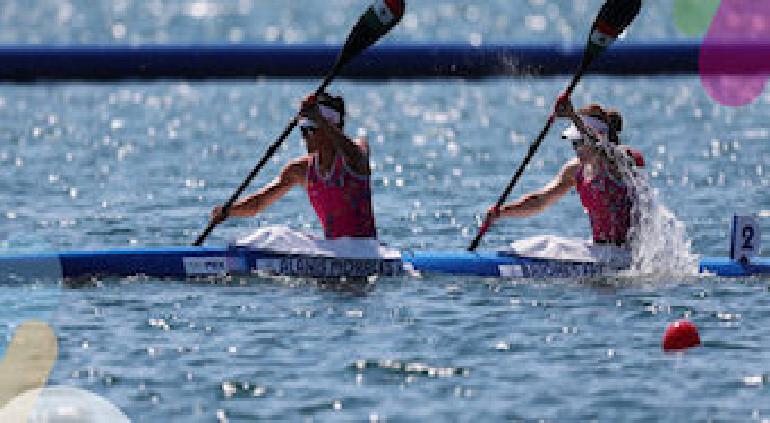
(377, 21)
(614, 17)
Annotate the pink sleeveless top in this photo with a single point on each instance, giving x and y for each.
(342, 200)
(608, 202)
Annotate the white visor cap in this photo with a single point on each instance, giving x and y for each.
(598, 127)
(334, 117)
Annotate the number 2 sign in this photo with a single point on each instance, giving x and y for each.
(746, 238)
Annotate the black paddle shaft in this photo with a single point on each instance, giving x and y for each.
(377, 21)
(614, 17)
(530, 153)
(262, 162)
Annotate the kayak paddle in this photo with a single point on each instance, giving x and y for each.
(377, 21)
(614, 17)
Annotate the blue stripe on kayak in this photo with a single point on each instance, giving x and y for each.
(160, 262)
(458, 263)
(497, 264)
(723, 266)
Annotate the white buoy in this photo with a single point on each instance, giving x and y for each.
(61, 404)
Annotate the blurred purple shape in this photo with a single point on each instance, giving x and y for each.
(735, 55)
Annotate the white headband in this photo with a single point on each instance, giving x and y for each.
(334, 117)
(599, 128)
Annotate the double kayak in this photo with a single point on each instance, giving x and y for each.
(195, 262)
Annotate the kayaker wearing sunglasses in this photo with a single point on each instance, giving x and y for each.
(335, 173)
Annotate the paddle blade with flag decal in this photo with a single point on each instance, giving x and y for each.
(377, 21)
(614, 17)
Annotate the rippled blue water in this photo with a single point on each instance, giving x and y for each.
(96, 166)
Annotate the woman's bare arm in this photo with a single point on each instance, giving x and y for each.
(537, 201)
(292, 174)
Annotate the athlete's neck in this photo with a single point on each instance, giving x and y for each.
(325, 154)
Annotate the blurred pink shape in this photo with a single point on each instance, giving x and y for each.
(735, 55)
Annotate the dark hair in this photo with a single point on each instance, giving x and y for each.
(337, 103)
(611, 117)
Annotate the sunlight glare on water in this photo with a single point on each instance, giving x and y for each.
(114, 165)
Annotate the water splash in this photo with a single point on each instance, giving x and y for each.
(658, 239)
(659, 242)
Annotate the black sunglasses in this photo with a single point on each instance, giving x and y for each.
(307, 131)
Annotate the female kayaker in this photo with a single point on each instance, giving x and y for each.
(335, 173)
(595, 173)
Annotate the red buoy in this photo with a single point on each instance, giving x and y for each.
(680, 335)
